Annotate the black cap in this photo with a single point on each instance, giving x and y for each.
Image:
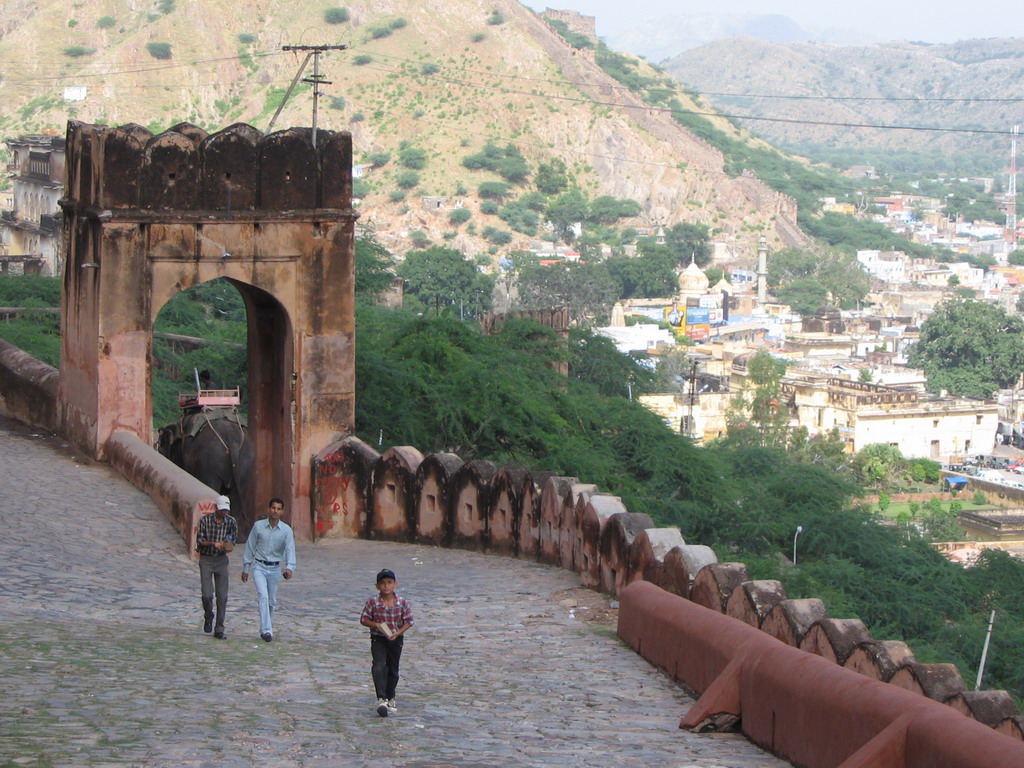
(386, 574)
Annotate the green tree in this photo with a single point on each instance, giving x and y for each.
(648, 275)
(880, 465)
(608, 210)
(970, 348)
(758, 414)
(438, 277)
(805, 295)
(587, 290)
(552, 178)
(375, 267)
(565, 211)
(792, 273)
(1016, 258)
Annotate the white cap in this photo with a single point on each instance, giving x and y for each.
(223, 502)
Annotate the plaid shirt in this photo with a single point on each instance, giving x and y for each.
(395, 616)
(211, 530)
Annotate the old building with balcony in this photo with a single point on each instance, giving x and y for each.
(30, 231)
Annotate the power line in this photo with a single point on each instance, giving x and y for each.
(116, 72)
(914, 99)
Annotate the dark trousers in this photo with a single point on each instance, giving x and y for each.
(213, 579)
(386, 656)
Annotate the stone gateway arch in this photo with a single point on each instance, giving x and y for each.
(146, 217)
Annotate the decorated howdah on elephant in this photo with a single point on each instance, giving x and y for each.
(212, 443)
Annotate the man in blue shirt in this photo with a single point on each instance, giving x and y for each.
(270, 545)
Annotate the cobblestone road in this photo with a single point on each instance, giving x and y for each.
(104, 662)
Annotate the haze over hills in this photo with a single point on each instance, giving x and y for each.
(662, 38)
(969, 84)
(442, 76)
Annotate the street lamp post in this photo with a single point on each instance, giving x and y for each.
(799, 530)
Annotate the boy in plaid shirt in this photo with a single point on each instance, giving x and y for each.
(388, 616)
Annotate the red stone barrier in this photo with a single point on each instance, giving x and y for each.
(28, 388)
(798, 705)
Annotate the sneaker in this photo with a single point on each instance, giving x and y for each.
(220, 636)
(208, 626)
(382, 707)
(267, 637)
(392, 706)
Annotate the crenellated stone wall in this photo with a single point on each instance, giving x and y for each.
(441, 500)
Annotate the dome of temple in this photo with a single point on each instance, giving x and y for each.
(693, 281)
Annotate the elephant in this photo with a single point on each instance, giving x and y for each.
(214, 446)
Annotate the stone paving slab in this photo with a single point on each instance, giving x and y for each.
(104, 662)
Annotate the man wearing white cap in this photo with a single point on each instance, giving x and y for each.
(214, 539)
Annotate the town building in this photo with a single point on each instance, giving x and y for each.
(920, 425)
(30, 232)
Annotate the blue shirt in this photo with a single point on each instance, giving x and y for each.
(270, 543)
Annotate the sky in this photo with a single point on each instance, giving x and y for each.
(934, 21)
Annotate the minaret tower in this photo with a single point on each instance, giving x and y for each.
(762, 271)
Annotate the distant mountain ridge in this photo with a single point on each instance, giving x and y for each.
(666, 37)
(960, 85)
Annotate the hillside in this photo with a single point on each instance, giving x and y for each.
(443, 77)
(960, 85)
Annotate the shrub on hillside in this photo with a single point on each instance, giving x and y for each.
(412, 157)
(76, 51)
(246, 38)
(460, 216)
(407, 179)
(159, 50)
(494, 190)
(106, 22)
(336, 15)
(497, 236)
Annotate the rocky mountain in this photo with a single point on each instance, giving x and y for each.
(977, 84)
(441, 77)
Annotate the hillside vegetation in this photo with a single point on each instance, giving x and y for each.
(442, 79)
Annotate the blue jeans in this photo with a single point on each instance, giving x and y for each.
(266, 578)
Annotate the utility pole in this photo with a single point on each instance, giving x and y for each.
(316, 79)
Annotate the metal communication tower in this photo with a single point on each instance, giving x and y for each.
(1010, 234)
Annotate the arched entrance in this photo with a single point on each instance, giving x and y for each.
(148, 216)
